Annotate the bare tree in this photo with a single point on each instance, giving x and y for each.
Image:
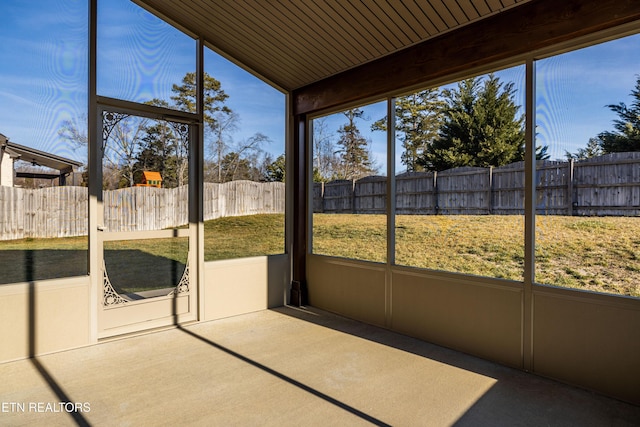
(243, 161)
(225, 123)
(74, 131)
(121, 140)
(325, 159)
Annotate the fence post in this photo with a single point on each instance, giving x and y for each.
(436, 207)
(570, 189)
(490, 191)
(353, 196)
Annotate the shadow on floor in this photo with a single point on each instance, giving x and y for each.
(517, 397)
(55, 387)
(287, 379)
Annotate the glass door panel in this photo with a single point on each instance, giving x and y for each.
(144, 237)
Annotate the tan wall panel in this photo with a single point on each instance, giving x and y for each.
(241, 286)
(143, 314)
(592, 341)
(350, 288)
(57, 311)
(477, 318)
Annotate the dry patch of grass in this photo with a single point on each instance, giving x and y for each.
(600, 254)
(479, 245)
(358, 236)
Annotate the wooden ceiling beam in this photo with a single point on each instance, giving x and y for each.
(533, 26)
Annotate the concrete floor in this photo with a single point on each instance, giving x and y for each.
(288, 367)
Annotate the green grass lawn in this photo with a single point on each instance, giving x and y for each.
(243, 236)
(600, 254)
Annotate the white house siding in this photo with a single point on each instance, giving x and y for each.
(6, 169)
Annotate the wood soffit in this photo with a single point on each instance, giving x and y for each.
(293, 43)
(334, 52)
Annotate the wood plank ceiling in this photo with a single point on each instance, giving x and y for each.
(293, 43)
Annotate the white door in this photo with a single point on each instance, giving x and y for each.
(145, 237)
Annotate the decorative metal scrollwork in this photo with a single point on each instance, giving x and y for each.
(183, 284)
(110, 296)
(109, 121)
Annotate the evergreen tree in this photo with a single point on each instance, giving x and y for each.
(627, 137)
(158, 142)
(236, 167)
(418, 120)
(355, 162)
(214, 97)
(165, 150)
(275, 170)
(481, 127)
(541, 152)
(593, 149)
(218, 117)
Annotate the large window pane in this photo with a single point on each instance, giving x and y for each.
(588, 192)
(43, 194)
(244, 164)
(460, 181)
(350, 184)
(142, 58)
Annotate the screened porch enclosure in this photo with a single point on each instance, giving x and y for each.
(529, 262)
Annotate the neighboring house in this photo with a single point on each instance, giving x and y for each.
(7, 159)
(10, 152)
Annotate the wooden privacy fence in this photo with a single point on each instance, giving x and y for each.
(243, 198)
(63, 211)
(46, 212)
(604, 185)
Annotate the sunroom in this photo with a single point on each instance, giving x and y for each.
(291, 173)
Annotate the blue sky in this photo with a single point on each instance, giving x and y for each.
(44, 79)
(572, 91)
(44, 74)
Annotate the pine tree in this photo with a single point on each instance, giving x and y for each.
(214, 97)
(158, 142)
(218, 117)
(418, 120)
(275, 171)
(593, 149)
(481, 127)
(627, 137)
(354, 161)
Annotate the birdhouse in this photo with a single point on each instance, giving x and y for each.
(151, 179)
